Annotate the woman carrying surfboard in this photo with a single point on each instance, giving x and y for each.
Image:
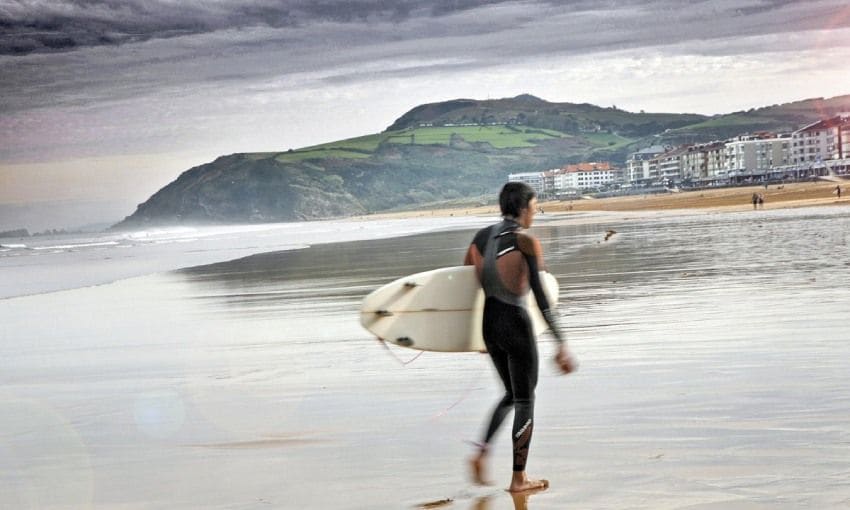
(508, 262)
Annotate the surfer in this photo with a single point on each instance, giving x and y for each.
(507, 261)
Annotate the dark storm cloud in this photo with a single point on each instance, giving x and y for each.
(37, 26)
(764, 6)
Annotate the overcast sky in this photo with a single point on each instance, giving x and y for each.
(105, 101)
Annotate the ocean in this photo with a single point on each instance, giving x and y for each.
(48, 263)
(225, 368)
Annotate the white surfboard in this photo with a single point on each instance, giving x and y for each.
(438, 310)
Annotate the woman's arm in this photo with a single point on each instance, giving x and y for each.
(471, 256)
(533, 252)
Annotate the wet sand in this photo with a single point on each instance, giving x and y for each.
(713, 376)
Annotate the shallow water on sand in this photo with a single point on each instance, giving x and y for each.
(713, 376)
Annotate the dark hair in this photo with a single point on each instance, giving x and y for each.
(515, 197)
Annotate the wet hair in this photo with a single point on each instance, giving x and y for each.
(514, 197)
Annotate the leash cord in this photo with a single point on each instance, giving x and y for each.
(396, 357)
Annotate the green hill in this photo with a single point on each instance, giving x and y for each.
(449, 151)
(776, 118)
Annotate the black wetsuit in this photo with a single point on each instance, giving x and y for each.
(509, 337)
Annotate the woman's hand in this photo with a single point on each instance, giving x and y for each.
(565, 360)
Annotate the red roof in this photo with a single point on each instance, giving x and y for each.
(588, 167)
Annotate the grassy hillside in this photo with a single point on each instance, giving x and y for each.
(526, 110)
(783, 118)
(494, 137)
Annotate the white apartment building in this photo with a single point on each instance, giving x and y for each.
(670, 164)
(581, 176)
(823, 140)
(642, 165)
(594, 179)
(757, 154)
(562, 181)
(818, 147)
(593, 175)
(534, 179)
(704, 162)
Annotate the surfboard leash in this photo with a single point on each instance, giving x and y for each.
(472, 386)
(395, 356)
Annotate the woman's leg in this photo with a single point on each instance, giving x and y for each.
(512, 347)
(494, 331)
(523, 364)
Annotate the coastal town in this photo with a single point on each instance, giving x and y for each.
(818, 149)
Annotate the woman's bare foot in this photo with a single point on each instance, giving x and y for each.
(521, 498)
(521, 483)
(476, 465)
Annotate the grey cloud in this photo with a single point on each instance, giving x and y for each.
(764, 6)
(301, 43)
(36, 26)
(171, 72)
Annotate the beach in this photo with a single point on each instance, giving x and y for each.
(712, 345)
(776, 196)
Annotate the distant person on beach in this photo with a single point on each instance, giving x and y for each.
(508, 260)
(761, 200)
(838, 190)
(755, 201)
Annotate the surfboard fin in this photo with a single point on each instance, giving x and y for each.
(410, 285)
(404, 341)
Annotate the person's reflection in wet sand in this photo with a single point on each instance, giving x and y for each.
(520, 500)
